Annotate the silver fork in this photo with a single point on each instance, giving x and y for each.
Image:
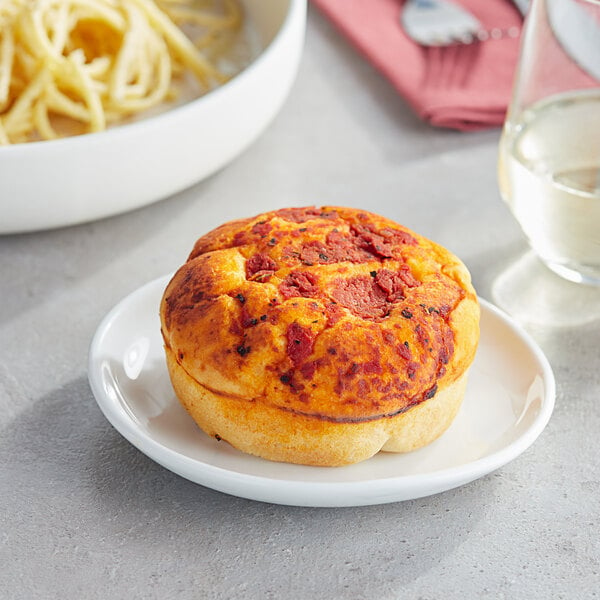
(443, 23)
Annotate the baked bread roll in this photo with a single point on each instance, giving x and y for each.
(320, 336)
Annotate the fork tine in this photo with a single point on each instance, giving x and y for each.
(432, 66)
(464, 66)
(449, 67)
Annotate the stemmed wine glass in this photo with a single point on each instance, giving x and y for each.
(549, 156)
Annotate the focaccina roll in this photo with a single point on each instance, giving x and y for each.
(320, 336)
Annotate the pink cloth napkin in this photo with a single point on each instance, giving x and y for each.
(458, 88)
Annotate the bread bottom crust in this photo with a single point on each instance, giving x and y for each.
(255, 427)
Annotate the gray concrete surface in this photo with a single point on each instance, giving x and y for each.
(84, 515)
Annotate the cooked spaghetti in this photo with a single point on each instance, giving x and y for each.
(75, 66)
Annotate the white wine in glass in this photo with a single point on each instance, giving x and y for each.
(549, 157)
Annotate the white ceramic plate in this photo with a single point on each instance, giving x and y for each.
(72, 180)
(509, 400)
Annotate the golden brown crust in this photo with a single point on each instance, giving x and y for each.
(258, 428)
(331, 316)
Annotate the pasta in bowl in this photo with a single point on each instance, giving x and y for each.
(96, 62)
(108, 105)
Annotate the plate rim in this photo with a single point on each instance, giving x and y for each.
(382, 489)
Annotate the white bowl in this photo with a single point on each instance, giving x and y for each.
(63, 182)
